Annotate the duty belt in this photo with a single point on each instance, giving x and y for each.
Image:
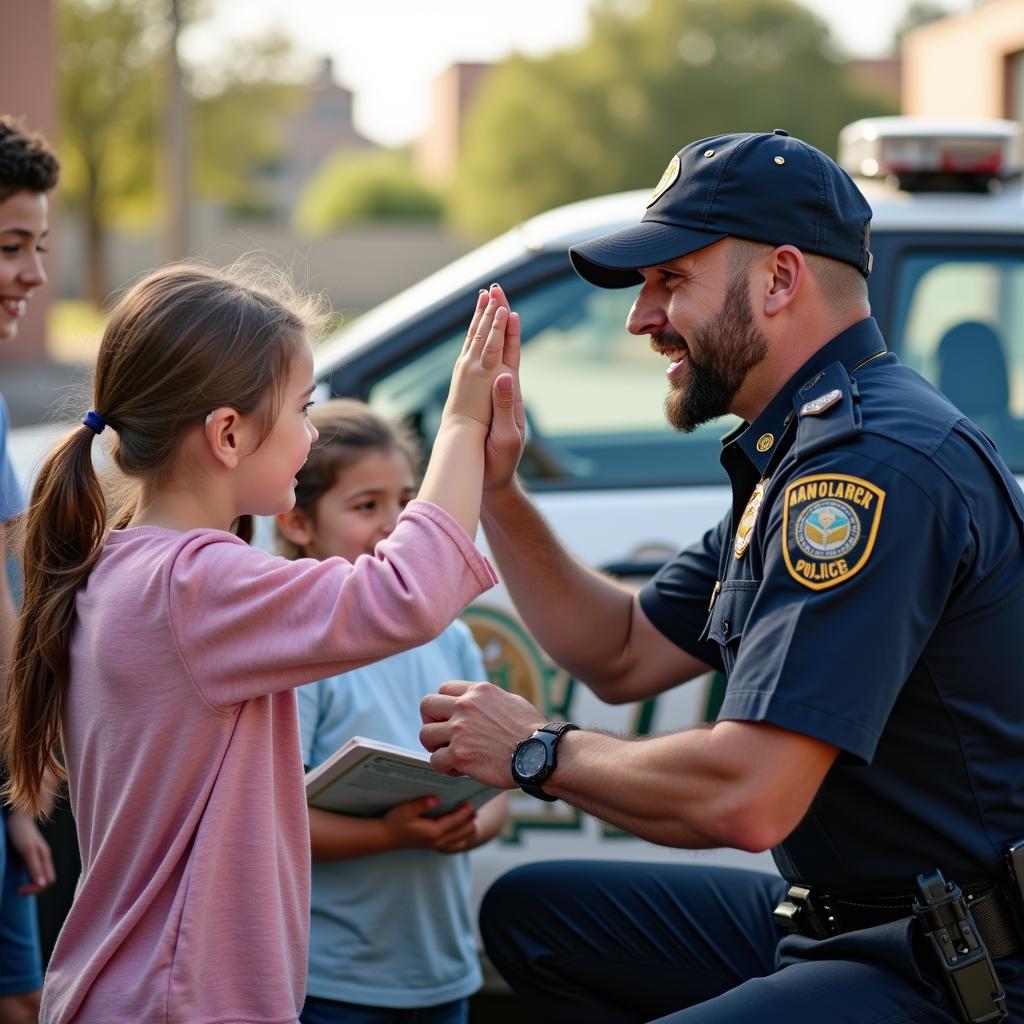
(822, 915)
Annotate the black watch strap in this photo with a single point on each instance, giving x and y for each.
(538, 792)
(557, 729)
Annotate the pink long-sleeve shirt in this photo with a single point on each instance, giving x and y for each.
(182, 746)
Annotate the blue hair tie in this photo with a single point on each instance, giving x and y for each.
(94, 421)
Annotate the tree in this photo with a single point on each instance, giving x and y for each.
(107, 66)
(350, 188)
(240, 103)
(608, 115)
(116, 75)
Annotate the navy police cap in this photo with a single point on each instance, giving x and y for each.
(765, 187)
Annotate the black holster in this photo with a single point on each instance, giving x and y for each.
(945, 920)
(966, 930)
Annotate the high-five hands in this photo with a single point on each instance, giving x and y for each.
(484, 379)
(480, 412)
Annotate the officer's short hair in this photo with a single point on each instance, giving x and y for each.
(842, 284)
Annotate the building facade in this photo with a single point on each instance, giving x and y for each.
(967, 65)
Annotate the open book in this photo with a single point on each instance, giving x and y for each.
(367, 778)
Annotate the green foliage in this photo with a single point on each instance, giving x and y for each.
(113, 66)
(653, 76)
(351, 188)
(239, 110)
(236, 134)
(108, 84)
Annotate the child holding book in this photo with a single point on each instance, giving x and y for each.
(159, 650)
(391, 926)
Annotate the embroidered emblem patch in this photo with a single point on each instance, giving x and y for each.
(829, 525)
(667, 181)
(747, 520)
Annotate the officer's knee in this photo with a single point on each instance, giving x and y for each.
(510, 904)
(505, 896)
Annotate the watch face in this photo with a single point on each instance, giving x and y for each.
(530, 758)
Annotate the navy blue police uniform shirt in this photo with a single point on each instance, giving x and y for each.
(867, 589)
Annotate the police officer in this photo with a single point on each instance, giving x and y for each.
(865, 597)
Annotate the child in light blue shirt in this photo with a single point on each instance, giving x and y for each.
(391, 936)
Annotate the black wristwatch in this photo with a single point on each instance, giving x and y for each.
(534, 758)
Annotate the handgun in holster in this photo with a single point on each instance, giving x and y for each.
(945, 920)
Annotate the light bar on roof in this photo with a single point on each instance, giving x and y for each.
(907, 147)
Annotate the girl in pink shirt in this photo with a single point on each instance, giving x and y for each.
(159, 656)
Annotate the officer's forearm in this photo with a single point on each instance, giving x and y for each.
(743, 785)
(579, 617)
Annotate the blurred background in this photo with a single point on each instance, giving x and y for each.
(364, 145)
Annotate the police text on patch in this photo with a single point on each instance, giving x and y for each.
(829, 523)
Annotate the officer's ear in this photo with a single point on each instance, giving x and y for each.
(788, 270)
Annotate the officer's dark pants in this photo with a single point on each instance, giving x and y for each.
(588, 942)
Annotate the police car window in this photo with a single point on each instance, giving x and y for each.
(594, 395)
(960, 323)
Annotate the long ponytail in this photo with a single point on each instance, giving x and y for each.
(62, 539)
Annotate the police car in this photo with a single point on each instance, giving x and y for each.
(621, 489)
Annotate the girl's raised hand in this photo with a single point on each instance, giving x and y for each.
(481, 360)
(481, 402)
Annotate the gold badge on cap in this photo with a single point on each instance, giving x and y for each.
(667, 181)
(747, 520)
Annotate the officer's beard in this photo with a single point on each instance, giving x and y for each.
(730, 344)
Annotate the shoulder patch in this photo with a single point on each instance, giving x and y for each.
(829, 525)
